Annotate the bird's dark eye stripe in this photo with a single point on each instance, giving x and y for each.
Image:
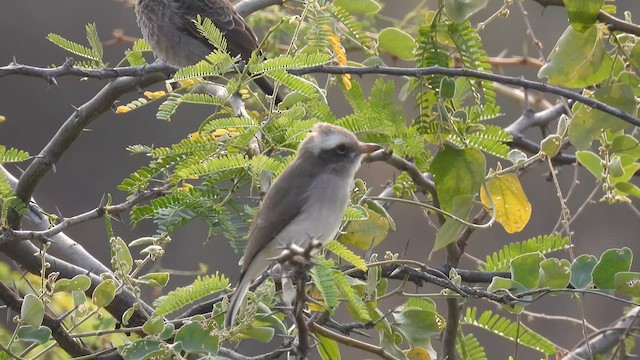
(341, 148)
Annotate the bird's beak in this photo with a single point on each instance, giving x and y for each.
(367, 148)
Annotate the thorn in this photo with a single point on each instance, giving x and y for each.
(53, 168)
(396, 271)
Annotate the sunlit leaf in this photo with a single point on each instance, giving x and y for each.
(512, 207)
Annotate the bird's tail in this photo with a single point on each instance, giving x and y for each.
(236, 300)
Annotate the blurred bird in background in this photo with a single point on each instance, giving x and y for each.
(168, 27)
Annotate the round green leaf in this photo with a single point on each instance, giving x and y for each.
(628, 189)
(153, 326)
(198, 340)
(121, 259)
(261, 333)
(104, 293)
(587, 124)
(447, 87)
(127, 316)
(38, 335)
(167, 332)
(358, 6)
(582, 13)
(460, 10)
(397, 43)
(525, 269)
(457, 172)
(551, 145)
(144, 349)
(418, 320)
(611, 262)
(499, 285)
(32, 310)
(628, 283)
(155, 279)
(581, 270)
(591, 162)
(555, 273)
(79, 282)
(578, 59)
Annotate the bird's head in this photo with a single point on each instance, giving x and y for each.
(334, 148)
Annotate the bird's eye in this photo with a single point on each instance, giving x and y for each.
(341, 149)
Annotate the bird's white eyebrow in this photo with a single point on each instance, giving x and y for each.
(332, 140)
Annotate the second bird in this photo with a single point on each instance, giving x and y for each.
(167, 25)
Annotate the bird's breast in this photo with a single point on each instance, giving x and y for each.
(321, 216)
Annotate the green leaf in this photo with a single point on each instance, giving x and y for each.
(74, 48)
(555, 273)
(451, 230)
(368, 233)
(32, 310)
(611, 262)
(180, 297)
(197, 339)
(587, 123)
(261, 333)
(397, 43)
(460, 10)
(79, 282)
(628, 283)
(104, 293)
(153, 326)
(38, 335)
(591, 162)
(322, 276)
(525, 269)
(505, 328)
(628, 189)
(94, 40)
(327, 348)
(12, 155)
(578, 60)
(144, 349)
(500, 285)
(359, 6)
(457, 172)
(626, 144)
(582, 13)
(581, 270)
(346, 254)
(418, 320)
(634, 55)
(155, 279)
(544, 244)
(121, 259)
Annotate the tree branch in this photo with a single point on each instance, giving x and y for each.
(461, 72)
(60, 335)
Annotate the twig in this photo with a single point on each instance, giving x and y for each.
(461, 72)
(351, 342)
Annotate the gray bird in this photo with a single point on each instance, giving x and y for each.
(167, 25)
(305, 203)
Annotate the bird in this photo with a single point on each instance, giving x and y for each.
(168, 27)
(305, 203)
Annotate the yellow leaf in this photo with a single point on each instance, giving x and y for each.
(122, 109)
(513, 209)
(418, 353)
(362, 233)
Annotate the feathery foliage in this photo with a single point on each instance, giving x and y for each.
(179, 298)
(509, 330)
(544, 244)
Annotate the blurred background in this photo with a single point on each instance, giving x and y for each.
(98, 161)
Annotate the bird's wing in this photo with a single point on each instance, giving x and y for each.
(283, 203)
(240, 38)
